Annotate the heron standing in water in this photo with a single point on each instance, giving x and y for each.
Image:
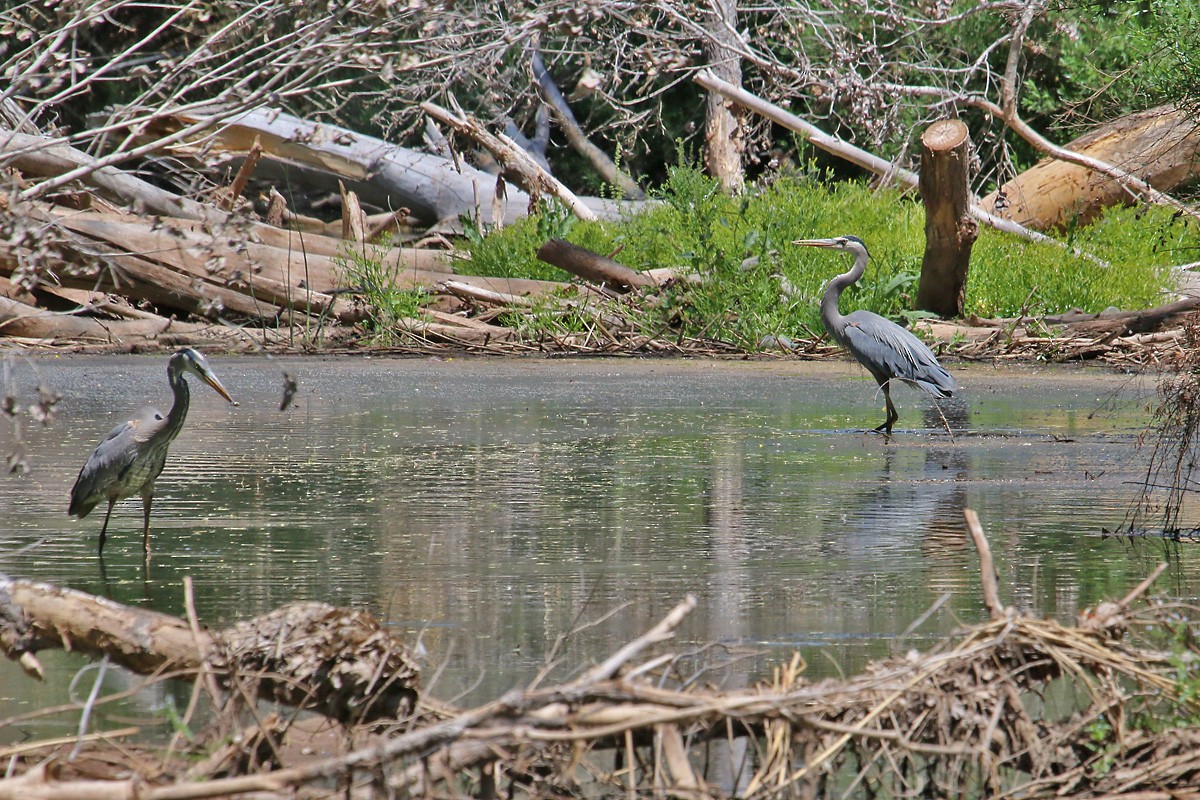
(888, 351)
(131, 457)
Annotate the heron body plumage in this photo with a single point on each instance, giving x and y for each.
(132, 456)
(888, 351)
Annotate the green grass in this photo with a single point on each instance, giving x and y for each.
(375, 283)
(702, 232)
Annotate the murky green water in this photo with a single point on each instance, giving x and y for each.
(493, 507)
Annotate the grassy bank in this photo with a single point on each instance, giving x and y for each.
(756, 284)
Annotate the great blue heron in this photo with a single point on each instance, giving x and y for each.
(132, 455)
(888, 351)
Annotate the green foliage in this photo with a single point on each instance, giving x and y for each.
(1011, 276)
(375, 282)
(1174, 26)
(511, 251)
(750, 283)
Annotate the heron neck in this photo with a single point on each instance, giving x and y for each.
(179, 409)
(830, 314)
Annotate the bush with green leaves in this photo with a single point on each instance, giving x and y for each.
(752, 283)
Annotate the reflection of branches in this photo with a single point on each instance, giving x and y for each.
(41, 411)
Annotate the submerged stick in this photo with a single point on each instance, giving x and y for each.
(989, 583)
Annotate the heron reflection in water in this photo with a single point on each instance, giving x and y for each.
(130, 458)
(888, 351)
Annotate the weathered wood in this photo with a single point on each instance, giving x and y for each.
(38, 155)
(495, 333)
(591, 266)
(848, 152)
(469, 292)
(723, 141)
(300, 246)
(515, 162)
(1160, 145)
(433, 188)
(31, 322)
(1124, 323)
(311, 655)
(106, 268)
(221, 262)
(950, 231)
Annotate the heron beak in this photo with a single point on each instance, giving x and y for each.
(814, 242)
(212, 381)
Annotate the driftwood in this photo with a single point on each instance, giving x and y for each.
(42, 157)
(434, 188)
(950, 231)
(26, 321)
(1160, 145)
(591, 266)
(310, 655)
(1126, 323)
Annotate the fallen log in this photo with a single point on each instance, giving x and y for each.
(44, 157)
(30, 322)
(515, 163)
(592, 266)
(1125, 323)
(468, 292)
(432, 187)
(99, 266)
(341, 663)
(1160, 145)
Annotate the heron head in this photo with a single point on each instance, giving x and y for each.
(850, 243)
(190, 360)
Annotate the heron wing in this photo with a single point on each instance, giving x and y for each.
(890, 352)
(103, 474)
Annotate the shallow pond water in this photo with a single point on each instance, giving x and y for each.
(509, 511)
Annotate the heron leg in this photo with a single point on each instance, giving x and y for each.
(892, 414)
(104, 527)
(147, 499)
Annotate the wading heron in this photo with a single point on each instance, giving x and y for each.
(888, 351)
(133, 454)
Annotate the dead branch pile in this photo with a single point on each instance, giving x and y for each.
(110, 261)
(975, 716)
(309, 655)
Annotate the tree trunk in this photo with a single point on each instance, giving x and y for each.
(1161, 146)
(723, 143)
(950, 230)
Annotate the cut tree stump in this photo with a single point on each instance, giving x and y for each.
(950, 230)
